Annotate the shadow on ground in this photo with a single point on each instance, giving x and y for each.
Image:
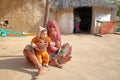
(17, 63)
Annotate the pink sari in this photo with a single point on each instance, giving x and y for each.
(65, 49)
(58, 35)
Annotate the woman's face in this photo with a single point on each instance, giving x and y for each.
(52, 28)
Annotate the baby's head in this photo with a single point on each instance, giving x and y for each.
(42, 33)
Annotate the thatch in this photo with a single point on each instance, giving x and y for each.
(68, 4)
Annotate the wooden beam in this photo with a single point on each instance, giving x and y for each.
(47, 8)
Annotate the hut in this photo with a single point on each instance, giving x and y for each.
(85, 12)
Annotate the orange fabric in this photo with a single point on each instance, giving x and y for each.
(36, 39)
(43, 57)
(107, 27)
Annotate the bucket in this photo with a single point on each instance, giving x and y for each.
(3, 33)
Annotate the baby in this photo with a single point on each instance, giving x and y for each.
(40, 44)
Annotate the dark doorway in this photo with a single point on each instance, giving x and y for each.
(82, 19)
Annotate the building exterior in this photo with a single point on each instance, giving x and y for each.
(89, 11)
(28, 15)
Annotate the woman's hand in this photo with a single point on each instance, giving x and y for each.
(58, 44)
(39, 46)
(52, 44)
(33, 45)
(45, 44)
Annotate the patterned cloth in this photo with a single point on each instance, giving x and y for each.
(107, 27)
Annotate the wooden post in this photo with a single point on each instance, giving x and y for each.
(97, 29)
(47, 8)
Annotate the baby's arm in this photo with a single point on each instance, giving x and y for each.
(34, 44)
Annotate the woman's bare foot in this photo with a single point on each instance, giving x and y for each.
(41, 71)
(53, 62)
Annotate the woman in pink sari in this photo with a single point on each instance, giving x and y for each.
(59, 54)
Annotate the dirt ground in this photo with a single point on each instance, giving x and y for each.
(94, 58)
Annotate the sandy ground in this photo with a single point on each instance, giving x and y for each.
(94, 58)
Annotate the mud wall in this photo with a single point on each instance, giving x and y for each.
(23, 15)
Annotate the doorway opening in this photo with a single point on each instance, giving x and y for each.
(82, 19)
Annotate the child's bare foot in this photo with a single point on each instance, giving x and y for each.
(46, 65)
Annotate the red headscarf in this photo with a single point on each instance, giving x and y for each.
(58, 35)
